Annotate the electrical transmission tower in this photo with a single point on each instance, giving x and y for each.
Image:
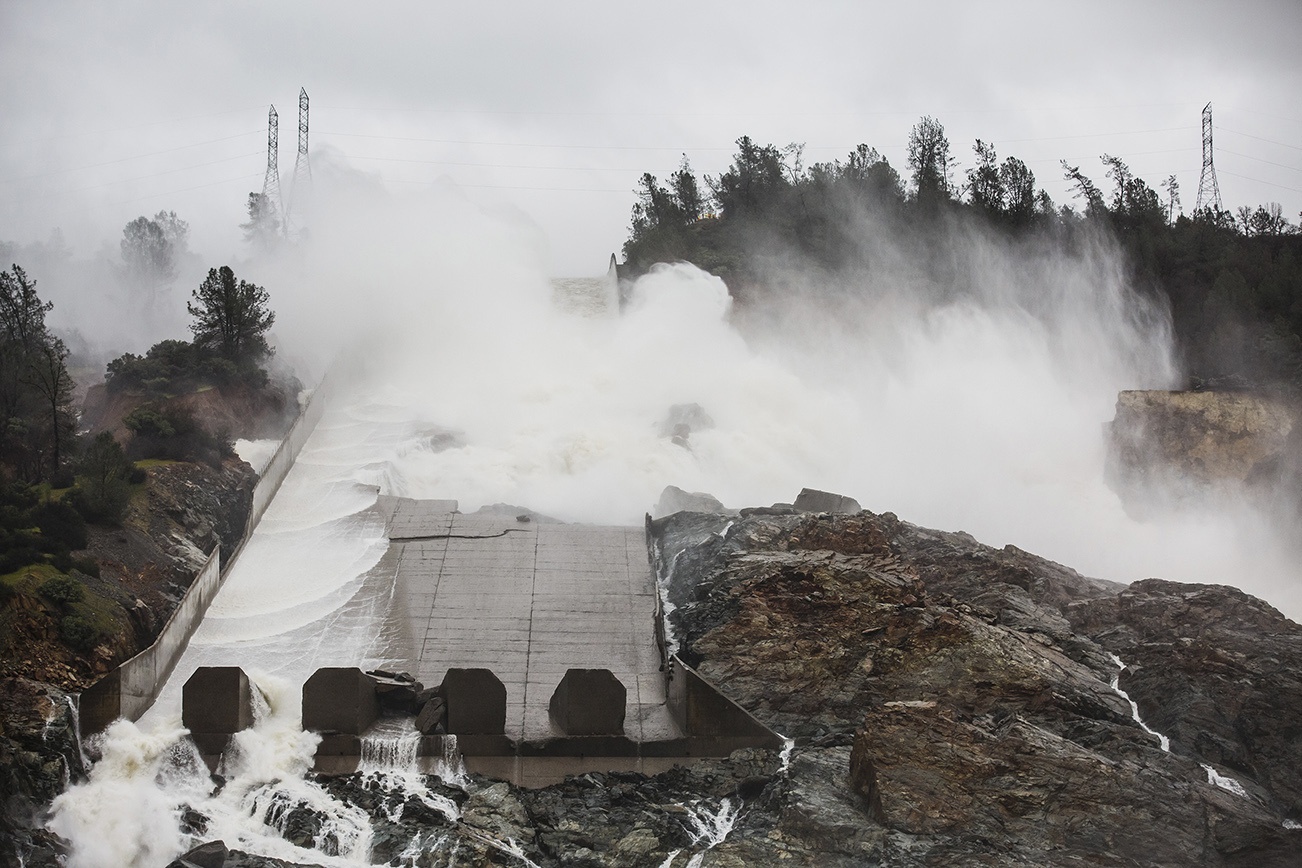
(302, 166)
(1209, 190)
(271, 183)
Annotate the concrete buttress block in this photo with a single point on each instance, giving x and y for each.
(339, 699)
(215, 702)
(476, 702)
(589, 702)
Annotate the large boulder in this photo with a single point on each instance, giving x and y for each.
(813, 500)
(1186, 441)
(674, 499)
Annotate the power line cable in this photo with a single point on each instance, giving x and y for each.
(84, 133)
(490, 165)
(709, 148)
(128, 159)
(155, 174)
(1258, 138)
(783, 114)
(186, 189)
(1099, 135)
(509, 186)
(1259, 181)
(522, 144)
(1258, 159)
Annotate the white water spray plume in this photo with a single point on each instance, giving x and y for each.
(455, 376)
(981, 411)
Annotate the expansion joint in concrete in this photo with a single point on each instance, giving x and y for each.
(437, 536)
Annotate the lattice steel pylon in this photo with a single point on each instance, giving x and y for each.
(1209, 189)
(298, 192)
(271, 183)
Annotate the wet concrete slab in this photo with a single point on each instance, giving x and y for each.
(530, 601)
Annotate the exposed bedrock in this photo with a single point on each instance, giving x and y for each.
(1165, 446)
(969, 690)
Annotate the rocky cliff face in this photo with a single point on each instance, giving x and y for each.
(1180, 443)
(964, 694)
(38, 755)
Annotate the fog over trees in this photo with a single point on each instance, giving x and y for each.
(1232, 281)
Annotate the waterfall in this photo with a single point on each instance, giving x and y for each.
(1163, 741)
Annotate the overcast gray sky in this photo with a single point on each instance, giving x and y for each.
(112, 110)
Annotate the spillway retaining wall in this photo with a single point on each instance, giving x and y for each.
(132, 687)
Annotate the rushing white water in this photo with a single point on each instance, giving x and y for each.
(709, 827)
(784, 758)
(256, 452)
(1163, 741)
(451, 767)
(667, 607)
(1229, 784)
(390, 763)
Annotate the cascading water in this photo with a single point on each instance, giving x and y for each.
(1214, 777)
(663, 580)
(708, 828)
(1229, 784)
(1163, 741)
(390, 761)
(451, 767)
(784, 758)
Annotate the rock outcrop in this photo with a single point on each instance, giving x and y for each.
(1171, 446)
(970, 690)
(39, 753)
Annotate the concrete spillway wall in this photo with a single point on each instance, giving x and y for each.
(133, 686)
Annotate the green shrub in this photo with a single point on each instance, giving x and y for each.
(147, 421)
(177, 367)
(79, 633)
(104, 492)
(173, 432)
(19, 556)
(62, 527)
(62, 590)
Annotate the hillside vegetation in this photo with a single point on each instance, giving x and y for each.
(1231, 281)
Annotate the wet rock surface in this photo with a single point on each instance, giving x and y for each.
(38, 755)
(972, 687)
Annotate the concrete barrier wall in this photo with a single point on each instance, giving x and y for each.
(283, 459)
(131, 688)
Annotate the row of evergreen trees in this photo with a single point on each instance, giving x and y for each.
(1232, 281)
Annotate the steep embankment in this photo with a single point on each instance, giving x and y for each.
(174, 519)
(176, 516)
(237, 411)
